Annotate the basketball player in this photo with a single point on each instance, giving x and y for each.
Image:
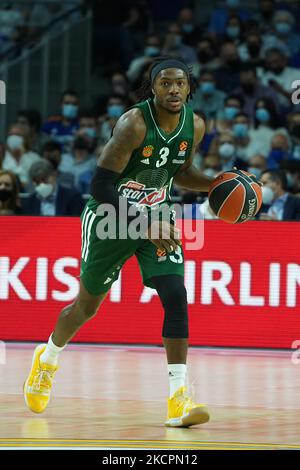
(152, 144)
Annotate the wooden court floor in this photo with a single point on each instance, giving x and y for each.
(115, 397)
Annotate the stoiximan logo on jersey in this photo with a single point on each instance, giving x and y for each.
(139, 194)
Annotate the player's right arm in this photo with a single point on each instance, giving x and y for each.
(128, 135)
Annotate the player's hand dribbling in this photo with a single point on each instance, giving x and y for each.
(164, 235)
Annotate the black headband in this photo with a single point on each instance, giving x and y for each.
(168, 64)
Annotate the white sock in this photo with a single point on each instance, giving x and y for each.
(177, 375)
(50, 355)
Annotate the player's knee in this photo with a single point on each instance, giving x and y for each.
(176, 314)
(173, 296)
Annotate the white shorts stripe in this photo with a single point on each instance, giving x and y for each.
(88, 235)
(82, 228)
(87, 217)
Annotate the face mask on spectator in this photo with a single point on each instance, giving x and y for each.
(240, 129)
(188, 28)
(226, 150)
(262, 115)
(44, 189)
(69, 111)
(255, 171)
(151, 51)
(233, 31)
(5, 194)
(15, 142)
(210, 172)
(207, 88)
(283, 28)
(267, 195)
(89, 132)
(115, 110)
(230, 112)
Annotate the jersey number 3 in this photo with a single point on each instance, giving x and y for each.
(163, 153)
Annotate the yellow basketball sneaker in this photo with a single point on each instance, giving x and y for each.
(183, 412)
(37, 387)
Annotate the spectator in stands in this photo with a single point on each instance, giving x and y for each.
(241, 131)
(279, 76)
(265, 16)
(33, 119)
(224, 146)
(251, 49)
(62, 128)
(81, 163)
(292, 171)
(9, 194)
(280, 151)
(251, 89)
(88, 127)
(11, 23)
(208, 56)
(233, 105)
(234, 30)
(51, 151)
(266, 125)
(228, 75)
(221, 15)
(212, 165)
(278, 204)
(119, 84)
(189, 29)
(257, 164)
(173, 45)
(50, 198)
(115, 107)
(294, 132)
(207, 98)
(283, 23)
(18, 156)
(152, 48)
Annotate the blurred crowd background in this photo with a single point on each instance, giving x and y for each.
(245, 56)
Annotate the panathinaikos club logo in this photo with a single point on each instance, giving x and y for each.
(147, 151)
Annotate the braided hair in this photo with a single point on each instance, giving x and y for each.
(145, 90)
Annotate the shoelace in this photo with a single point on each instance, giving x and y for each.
(43, 379)
(183, 402)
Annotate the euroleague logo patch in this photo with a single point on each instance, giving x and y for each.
(183, 145)
(182, 148)
(147, 151)
(160, 252)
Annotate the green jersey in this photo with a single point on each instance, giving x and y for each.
(147, 179)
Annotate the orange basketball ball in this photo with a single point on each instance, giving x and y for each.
(235, 196)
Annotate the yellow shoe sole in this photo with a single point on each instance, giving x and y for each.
(198, 415)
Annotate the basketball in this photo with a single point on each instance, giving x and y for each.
(235, 196)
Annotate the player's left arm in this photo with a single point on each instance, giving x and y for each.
(188, 176)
